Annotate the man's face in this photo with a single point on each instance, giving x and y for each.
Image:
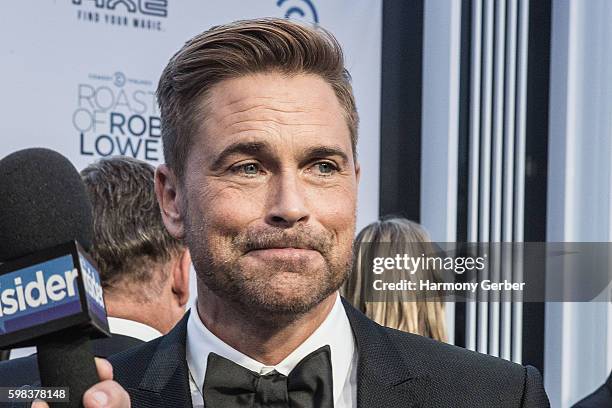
(268, 199)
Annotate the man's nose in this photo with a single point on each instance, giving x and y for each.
(287, 205)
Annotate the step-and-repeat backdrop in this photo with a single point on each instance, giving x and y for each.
(79, 76)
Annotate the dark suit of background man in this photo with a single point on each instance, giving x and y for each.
(601, 397)
(144, 271)
(259, 131)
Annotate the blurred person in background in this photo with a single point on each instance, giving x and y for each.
(144, 271)
(386, 238)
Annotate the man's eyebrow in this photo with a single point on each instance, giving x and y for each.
(246, 148)
(325, 151)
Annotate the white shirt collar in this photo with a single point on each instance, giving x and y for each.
(131, 328)
(335, 331)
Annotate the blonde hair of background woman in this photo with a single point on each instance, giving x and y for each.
(386, 238)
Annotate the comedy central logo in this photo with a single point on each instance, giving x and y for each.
(139, 14)
(299, 9)
(117, 114)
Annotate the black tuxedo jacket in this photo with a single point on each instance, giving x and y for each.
(24, 370)
(395, 370)
(602, 397)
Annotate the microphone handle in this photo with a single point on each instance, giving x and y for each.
(65, 359)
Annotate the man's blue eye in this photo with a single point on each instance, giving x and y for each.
(325, 168)
(250, 168)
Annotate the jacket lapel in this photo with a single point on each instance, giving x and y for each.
(108, 346)
(384, 378)
(166, 380)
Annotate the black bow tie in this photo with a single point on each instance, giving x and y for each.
(309, 384)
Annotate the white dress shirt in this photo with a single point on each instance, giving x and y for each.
(131, 328)
(335, 331)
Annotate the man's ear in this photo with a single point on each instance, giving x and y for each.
(180, 277)
(357, 171)
(166, 184)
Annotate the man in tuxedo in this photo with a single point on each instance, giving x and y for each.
(260, 181)
(144, 271)
(601, 397)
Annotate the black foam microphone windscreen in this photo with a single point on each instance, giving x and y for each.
(43, 203)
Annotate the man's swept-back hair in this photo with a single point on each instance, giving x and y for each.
(130, 243)
(238, 49)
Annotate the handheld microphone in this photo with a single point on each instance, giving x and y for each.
(50, 291)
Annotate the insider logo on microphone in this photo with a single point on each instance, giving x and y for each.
(62, 289)
(47, 291)
(34, 291)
